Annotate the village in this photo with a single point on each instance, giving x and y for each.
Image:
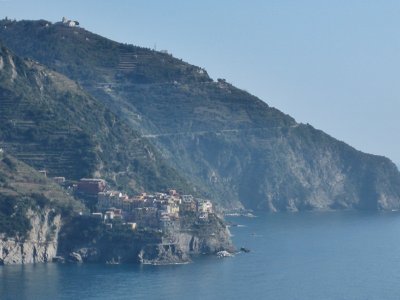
(156, 210)
(160, 210)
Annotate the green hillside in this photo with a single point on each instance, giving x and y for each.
(22, 188)
(230, 144)
(49, 122)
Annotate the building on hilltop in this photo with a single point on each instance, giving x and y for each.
(69, 23)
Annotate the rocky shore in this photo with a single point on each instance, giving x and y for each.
(147, 246)
(40, 245)
(83, 240)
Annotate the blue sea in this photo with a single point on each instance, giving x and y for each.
(330, 255)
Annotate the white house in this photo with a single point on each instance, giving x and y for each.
(69, 23)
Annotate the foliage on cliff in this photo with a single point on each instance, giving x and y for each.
(96, 242)
(21, 189)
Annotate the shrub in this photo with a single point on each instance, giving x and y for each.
(9, 163)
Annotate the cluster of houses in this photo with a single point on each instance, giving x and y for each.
(158, 210)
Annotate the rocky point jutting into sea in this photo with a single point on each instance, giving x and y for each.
(41, 222)
(158, 228)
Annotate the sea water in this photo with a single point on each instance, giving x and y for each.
(330, 255)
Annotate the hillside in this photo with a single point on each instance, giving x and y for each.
(230, 144)
(32, 211)
(22, 188)
(49, 122)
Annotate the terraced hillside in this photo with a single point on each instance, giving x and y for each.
(229, 143)
(49, 122)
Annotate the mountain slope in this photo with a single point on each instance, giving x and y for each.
(229, 143)
(49, 122)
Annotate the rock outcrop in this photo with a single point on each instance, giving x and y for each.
(40, 244)
(31, 210)
(180, 245)
(163, 255)
(189, 238)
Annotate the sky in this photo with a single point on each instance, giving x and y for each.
(332, 64)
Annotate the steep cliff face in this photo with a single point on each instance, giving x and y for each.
(189, 238)
(40, 244)
(291, 168)
(31, 210)
(208, 236)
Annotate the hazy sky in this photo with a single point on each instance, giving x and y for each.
(333, 64)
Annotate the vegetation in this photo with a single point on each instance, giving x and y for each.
(13, 219)
(22, 189)
(49, 122)
(85, 232)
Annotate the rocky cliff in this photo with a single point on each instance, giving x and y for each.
(40, 243)
(32, 208)
(40, 222)
(187, 239)
(191, 238)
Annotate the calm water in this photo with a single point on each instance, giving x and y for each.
(342, 255)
